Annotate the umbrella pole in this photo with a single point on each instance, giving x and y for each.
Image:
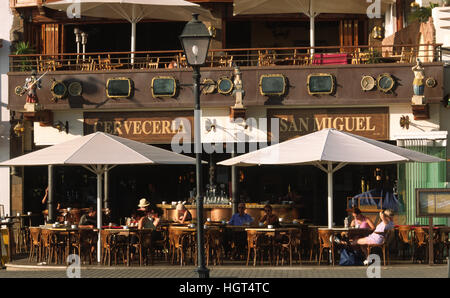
(312, 16)
(312, 33)
(330, 194)
(133, 40)
(99, 215)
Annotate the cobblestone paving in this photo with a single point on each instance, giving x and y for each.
(396, 271)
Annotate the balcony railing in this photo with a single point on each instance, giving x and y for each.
(259, 57)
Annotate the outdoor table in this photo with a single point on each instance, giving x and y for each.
(273, 234)
(350, 232)
(128, 233)
(66, 234)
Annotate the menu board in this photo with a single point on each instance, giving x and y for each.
(433, 202)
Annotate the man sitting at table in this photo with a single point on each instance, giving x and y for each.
(89, 219)
(240, 218)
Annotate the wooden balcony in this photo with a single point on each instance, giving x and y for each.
(28, 3)
(219, 58)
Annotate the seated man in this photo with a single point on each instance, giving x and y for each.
(89, 219)
(240, 218)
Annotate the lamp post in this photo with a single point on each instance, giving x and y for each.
(84, 37)
(195, 39)
(77, 33)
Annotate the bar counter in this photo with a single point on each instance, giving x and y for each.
(224, 212)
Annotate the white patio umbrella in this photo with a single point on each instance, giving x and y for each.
(325, 148)
(311, 8)
(99, 152)
(134, 11)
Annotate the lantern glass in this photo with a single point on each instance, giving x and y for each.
(195, 40)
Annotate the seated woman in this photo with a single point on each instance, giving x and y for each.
(377, 237)
(183, 214)
(359, 220)
(269, 218)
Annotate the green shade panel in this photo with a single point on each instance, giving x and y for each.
(420, 175)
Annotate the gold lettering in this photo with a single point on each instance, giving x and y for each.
(108, 126)
(95, 125)
(293, 125)
(360, 124)
(283, 125)
(304, 123)
(338, 126)
(156, 127)
(166, 127)
(117, 126)
(127, 126)
(319, 126)
(147, 132)
(347, 126)
(137, 127)
(368, 124)
(329, 122)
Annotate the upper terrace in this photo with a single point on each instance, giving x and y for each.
(257, 57)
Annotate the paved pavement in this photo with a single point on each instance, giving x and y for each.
(297, 271)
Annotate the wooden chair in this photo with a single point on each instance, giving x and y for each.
(285, 244)
(420, 242)
(105, 237)
(177, 241)
(266, 58)
(47, 247)
(301, 58)
(146, 246)
(44, 65)
(404, 235)
(387, 239)
(260, 244)
(326, 242)
(150, 63)
(252, 240)
(297, 240)
(313, 240)
(226, 61)
(104, 63)
(84, 243)
(35, 243)
(88, 65)
(406, 55)
(214, 246)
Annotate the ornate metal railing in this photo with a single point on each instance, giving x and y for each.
(259, 57)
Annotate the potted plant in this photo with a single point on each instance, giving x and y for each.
(24, 48)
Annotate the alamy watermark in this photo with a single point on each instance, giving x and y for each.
(374, 269)
(74, 10)
(74, 268)
(374, 9)
(232, 138)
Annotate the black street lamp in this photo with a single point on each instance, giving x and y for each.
(195, 39)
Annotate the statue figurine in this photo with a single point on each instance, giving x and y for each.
(31, 83)
(238, 91)
(418, 83)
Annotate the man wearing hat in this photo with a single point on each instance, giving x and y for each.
(143, 204)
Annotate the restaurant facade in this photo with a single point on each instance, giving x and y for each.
(261, 85)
